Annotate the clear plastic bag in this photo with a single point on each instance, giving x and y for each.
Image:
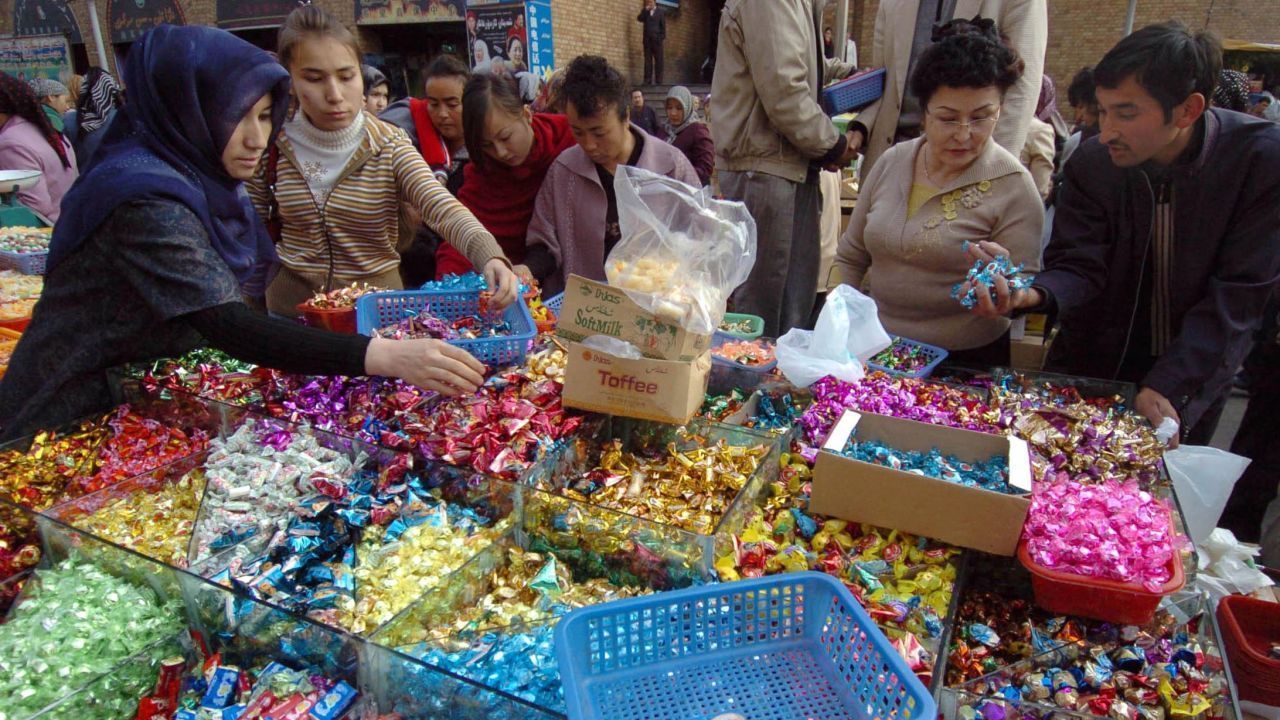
(682, 252)
(1203, 477)
(848, 333)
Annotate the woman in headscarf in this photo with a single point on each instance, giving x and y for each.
(690, 136)
(99, 97)
(55, 99)
(160, 244)
(481, 53)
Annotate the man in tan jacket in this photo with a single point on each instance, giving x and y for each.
(772, 138)
(904, 30)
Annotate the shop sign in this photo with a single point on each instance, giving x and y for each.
(387, 12)
(45, 17)
(129, 19)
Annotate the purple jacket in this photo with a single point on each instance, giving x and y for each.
(695, 142)
(22, 147)
(569, 214)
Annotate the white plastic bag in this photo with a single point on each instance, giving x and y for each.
(1228, 567)
(1203, 478)
(682, 252)
(848, 333)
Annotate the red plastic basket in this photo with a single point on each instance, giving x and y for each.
(1097, 598)
(341, 320)
(1249, 626)
(18, 324)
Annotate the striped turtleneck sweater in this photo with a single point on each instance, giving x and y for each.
(323, 154)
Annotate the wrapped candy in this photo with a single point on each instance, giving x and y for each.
(16, 286)
(204, 372)
(135, 445)
(992, 474)
(24, 240)
(1113, 530)
(361, 407)
(154, 522)
(985, 273)
(903, 357)
(74, 623)
(425, 324)
(751, 353)
(899, 397)
(341, 298)
(467, 282)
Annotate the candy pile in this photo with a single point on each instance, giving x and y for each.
(365, 408)
(467, 282)
(425, 324)
(135, 445)
(504, 639)
(154, 519)
(775, 412)
(256, 478)
(74, 623)
(1086, 440)
(17, 309)
(204, 372)
(985, 273)
(1112, 530)
(990, 474)
(25, 240)
(899, 397)
(744, 326)
(903, 357)
(341, 298)
(225, 691)
(750, 353)
(16, 286)
(359, 552)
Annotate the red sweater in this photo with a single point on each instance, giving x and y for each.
(502, 197)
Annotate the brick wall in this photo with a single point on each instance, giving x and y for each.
(609, 28)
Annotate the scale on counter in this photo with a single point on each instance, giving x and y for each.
(12, 212)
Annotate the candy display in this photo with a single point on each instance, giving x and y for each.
(750, 353)
(990, 474)
(16, 286)
(985, 273)
(340, 298)
(360, 407)
(1112, 530)
(904, 357)
(74, 623)
(425, 324)
(467, 282)
(204, 372)
(135, 445)
(899, 397)
(775, 412)
(25, 239)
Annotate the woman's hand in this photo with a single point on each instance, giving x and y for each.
(429, 364)
(1005, 301)
(502, 282)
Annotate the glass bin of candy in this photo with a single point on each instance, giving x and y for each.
(10, 588)
(641, 503)
(492, 622)
(356, 549)
(116, 694)
(743, 398)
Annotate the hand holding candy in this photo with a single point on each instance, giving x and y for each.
(429, 364)
(502, 282)
(1000, 296)
(1155, 408)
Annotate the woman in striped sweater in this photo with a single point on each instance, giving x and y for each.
(336, 177)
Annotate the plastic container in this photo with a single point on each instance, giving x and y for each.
(1249, 627)
(936, 356)
(25, 263)
(554, 303)
(379, 310)
(1098, 598)
(757, 327)
(341, 320)
(785, 646)
(853, 93)
(716, 359)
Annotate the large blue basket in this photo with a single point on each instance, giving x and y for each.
(853, 93)
(379, 310)
(784, 647)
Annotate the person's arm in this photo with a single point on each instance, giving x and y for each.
(684, 170)
(256, 186)
(836, 69)
(281, 344)
(542, 241)
(18, 156)
(780, 76)
(866, 119)
(1076, 263)
(702, 154)
(640, 17)
(1216, 332)
(662, 23)
(1020, 227)
(1039, 151)
(1026, 24)
(852, 259)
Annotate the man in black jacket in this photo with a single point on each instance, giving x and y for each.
(654, 19)
(1166, 243)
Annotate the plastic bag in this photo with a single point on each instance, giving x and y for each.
(1227, 567)
(682, 252)
(848, 333)
(1203, 478)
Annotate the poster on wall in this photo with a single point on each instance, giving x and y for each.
(28, 58)
(375, 12)
(541, 49)
(45, 17)
(129, 19)
(252, 14)
(498, 38)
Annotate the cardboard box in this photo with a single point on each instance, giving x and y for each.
(1028, 353)
(964, 516)
(594, 308)
(668, 391)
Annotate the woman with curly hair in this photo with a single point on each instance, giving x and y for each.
(29, 142)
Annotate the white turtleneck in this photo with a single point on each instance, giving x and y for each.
(322, 154)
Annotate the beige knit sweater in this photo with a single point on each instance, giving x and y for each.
(910, 265)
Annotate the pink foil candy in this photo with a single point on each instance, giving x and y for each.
(1112, 530)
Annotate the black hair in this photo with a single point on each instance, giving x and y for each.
(446, 66)
(591, 86)
(482, 92)
(17, 98)
(1081, 89)
(1167, 60)
(311, 21)
(966, 54)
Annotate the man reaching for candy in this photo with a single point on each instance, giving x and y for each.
(1165, 245)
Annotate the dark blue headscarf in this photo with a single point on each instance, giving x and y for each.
(188, 88)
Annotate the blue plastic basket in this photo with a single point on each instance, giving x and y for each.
(854, 92)
(379, 310)
(936, 354)
(719, 340)
(784, 647)
(554, 304)
(26, 263)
